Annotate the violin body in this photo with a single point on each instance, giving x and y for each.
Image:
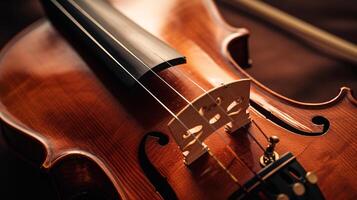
(64, 113)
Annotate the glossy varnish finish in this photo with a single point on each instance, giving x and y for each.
(83, 121)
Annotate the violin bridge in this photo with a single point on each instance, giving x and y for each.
(226, 105)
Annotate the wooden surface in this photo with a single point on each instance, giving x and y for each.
(62, 101)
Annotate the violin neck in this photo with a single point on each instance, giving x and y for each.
(127, 49)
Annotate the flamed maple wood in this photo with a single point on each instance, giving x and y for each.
(61, 110)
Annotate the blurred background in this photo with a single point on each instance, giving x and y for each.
(280, 61)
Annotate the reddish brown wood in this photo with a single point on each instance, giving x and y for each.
(85, 128)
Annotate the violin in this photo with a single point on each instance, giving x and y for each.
(122, 99)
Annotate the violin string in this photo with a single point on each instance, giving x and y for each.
(219, 133)
(173, 89)
(197, 110)
(190, 104)
(261, 131)
(230, 118)
(223, 139)
(213, 101)
(136, 80)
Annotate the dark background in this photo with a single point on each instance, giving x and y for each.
(280, 61)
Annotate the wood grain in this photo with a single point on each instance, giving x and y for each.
(88, 127)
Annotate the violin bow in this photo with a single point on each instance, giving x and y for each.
(318, 38)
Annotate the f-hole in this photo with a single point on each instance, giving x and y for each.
(157, 180)
(317, 120)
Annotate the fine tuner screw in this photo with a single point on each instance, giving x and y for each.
(299, 189)
(270, 155)
(282, 197)
(311, 177)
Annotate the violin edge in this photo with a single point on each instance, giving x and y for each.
(23, 140)
(343, 93)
